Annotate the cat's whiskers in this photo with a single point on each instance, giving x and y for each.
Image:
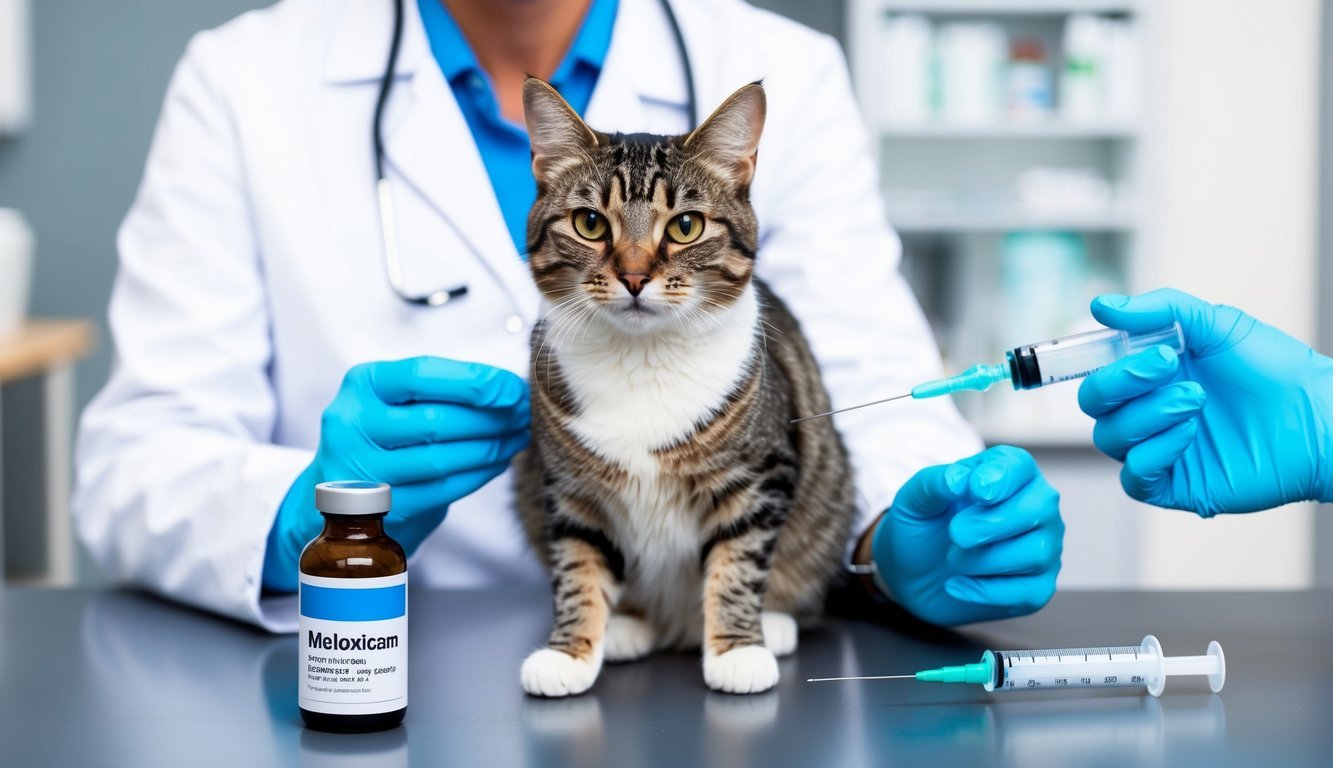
(587, 321)
(683, 315)
(716, 291)
(679, 317)
(701, 316)
(719, 306)
(572, 319)
(537, 358)
(562, 327)
(557, 296)
(687, 315)
(561, 316)
(560, 310)
(709, 295)
(567, 306)
(763, 326)
(565, 302)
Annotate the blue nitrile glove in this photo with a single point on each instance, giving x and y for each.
(972, 541)
(1238, 423)
(434, 429)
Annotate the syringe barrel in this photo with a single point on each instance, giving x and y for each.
(1076, 356)
(1063, 668)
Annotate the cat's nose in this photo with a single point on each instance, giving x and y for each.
(634, 282)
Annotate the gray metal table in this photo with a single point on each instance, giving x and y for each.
(113, 678)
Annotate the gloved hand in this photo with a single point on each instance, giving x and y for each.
(972, 541)
(434, 429)
(1238, 423)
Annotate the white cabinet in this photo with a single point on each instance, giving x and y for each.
(1008, 136)
(1209, 187)
(15, 66)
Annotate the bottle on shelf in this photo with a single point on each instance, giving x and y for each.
(907, 51)
(1031, 94)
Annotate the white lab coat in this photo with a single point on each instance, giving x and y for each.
(252, 277)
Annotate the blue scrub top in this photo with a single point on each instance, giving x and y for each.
(504, 145)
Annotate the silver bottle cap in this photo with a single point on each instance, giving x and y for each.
(352, 497)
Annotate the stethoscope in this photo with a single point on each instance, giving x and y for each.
(388, 231)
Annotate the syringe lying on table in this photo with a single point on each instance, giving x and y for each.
(1143, 665)
(1046, 362)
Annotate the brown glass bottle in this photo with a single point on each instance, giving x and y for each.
(353, 606)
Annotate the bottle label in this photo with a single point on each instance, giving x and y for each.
(353, 644)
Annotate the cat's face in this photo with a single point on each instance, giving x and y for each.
(642, 232)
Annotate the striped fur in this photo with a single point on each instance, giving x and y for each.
(673, 501)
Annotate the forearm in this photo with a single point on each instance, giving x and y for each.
(184, 512)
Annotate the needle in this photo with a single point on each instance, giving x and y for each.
(879, 677)
(854, 407)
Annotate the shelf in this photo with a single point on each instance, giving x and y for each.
(1053, 129)
(39, 345)
(1007, 7)
(1005, 221)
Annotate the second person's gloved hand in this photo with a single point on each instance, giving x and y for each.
(434, 429)
(972, 541)
(1238, 423)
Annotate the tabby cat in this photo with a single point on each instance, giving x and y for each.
(674, 503)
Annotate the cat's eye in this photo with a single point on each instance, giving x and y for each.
(589, 224)
(685, 228)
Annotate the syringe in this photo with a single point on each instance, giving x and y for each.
(1059, 668)
(1046, 362)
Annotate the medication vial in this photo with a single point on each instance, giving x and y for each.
(353, 606)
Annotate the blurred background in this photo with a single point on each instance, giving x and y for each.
(1033, 154)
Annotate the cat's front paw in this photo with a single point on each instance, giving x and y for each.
(628, 638)
(548, 672)
(748, 669)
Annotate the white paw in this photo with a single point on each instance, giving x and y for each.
(748, 669)
(628, 638)
(779, 633)
(548, 672)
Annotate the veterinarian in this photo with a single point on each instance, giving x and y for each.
(323, 277)
(1241, 422)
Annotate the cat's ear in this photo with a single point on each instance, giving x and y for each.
(729, 137)
(557, 133)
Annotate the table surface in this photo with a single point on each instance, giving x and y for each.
(40, 344)
(119, 678)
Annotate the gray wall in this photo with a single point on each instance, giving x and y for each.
(1323, 540)
(824, 15)
(100, 71)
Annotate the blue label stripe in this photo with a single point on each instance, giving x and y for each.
(332, 604)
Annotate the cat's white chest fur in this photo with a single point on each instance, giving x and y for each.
(636, 394)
